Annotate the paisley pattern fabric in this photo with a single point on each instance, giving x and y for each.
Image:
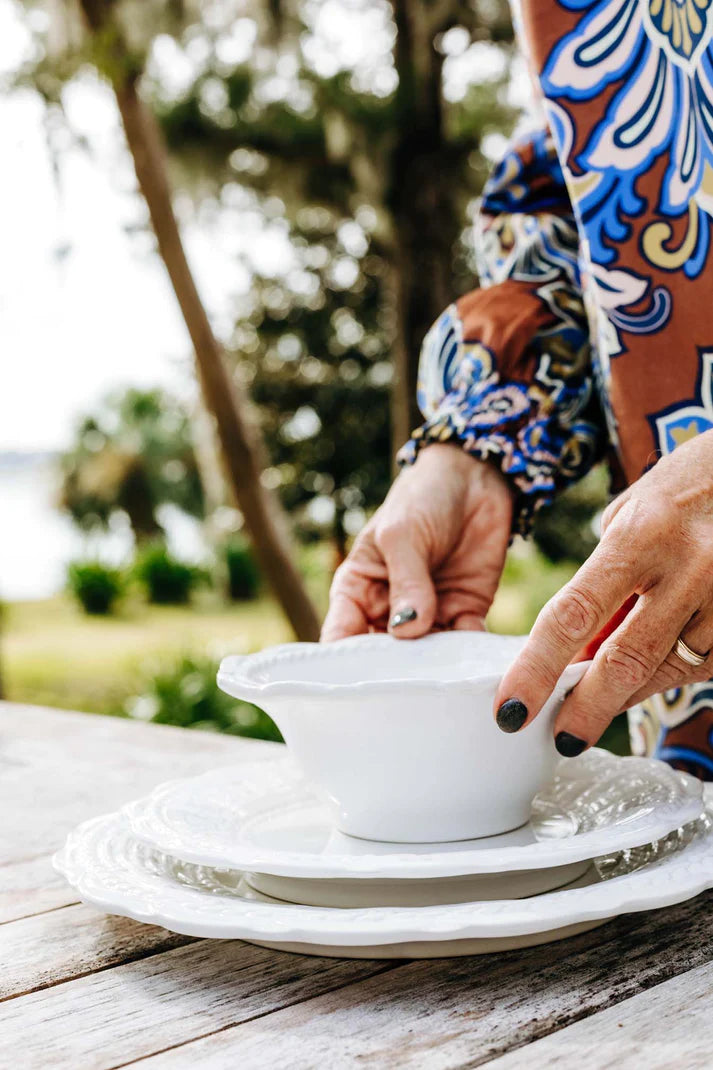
(655, 53)
(507, 371)
(593, 327)
(677, 727)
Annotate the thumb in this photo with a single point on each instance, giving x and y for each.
(412, 597)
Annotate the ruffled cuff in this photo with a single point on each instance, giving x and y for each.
(515, 426)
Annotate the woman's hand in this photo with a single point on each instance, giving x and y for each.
(657, 544)
(431, 557)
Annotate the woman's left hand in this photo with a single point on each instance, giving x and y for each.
(657, 543)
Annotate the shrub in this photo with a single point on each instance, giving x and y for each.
(166, 580)
(185, 693)
(242, 570)
(95, 586)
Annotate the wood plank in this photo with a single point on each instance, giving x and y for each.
(61, 768)
(111, 1018)
(670, 1025)
(462, 1012)
(53, 947)
(30, 886)
(102, 992)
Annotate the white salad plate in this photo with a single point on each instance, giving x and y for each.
(265, 819)
(415, 893)
(119, 875)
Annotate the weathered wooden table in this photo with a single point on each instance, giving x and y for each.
(82, 990)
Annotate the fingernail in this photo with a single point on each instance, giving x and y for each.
(404, 616)
(512, 715)
(568, 745)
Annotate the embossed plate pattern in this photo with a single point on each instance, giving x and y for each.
(117, 874)
(266, 818)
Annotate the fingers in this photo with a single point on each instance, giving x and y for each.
(612, 509)
(673, 671)
(358, 598)
(567, 623)
(345, 617)
(412, 597)
(462, 606)
(588, 652)
(623, 665)
(386, 577)
(468, 622)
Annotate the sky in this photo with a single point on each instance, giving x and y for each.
(80, 312)
(85, 307)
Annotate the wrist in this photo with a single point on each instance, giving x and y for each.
(446, 455)
(451, 459)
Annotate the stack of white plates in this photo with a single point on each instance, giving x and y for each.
(251, 852)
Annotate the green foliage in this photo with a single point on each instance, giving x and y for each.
(185, 693)
(95, 586)
(566, 531)
(132, 456)
(372, 188)
(368, 167)
(243, 575)
(166, 580)
(616, 736)
(319, 371)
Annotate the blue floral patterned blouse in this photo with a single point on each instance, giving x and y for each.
(592, 330)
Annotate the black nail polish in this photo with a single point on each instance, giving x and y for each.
(568, 745)
(512, 715)
(404, 616)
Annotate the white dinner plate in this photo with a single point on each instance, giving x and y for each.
(118, 874)
(263, 817)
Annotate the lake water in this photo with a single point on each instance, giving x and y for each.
(37, 541)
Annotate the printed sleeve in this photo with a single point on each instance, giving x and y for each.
(506, 371)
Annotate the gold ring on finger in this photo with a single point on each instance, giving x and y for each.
(684, 652)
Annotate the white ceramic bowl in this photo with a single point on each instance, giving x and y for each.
(400, 733)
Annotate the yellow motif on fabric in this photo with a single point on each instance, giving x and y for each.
(685, 434)
(657, 235)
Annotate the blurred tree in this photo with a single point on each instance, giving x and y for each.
(271, 116)
(133, 456)
(392, 140)
(320, 374)
(371, 175)
(120, 35)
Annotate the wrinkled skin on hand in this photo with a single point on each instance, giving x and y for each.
(656, 550)
(437, 546)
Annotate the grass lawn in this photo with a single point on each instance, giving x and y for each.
(55, 655)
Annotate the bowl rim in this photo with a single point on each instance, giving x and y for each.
(233, 678)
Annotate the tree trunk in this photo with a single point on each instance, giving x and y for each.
(420, 202)
(340, 537)
(263, 517)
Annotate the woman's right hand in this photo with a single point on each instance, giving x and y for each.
(431, 557)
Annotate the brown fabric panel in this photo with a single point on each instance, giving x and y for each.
(506, 317)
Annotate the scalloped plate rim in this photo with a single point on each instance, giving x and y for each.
(407, 863)
(664, 883)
